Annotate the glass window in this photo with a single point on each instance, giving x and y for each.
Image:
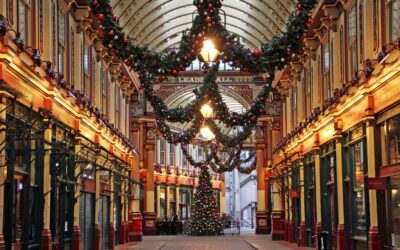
(61, 40)
(104, 90)
(117, 107)
(163, 200)
(308, 77)
(294, 106)
(394, 19)
(72, 57)
(388, 134)
(326, 71)
(359, 187)
(352, 38)
(85, 62)
(393, 222)
(162, 152)
(23, 8)
(171, 154)
(394, 140)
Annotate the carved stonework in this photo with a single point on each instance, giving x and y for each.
(151, 133)
(243, 90)
(165, 91)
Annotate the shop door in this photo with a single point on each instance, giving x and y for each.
(86, 220)
(296, 218)
(117, 219)
(309, 196)
(328, 199)
(104, 220)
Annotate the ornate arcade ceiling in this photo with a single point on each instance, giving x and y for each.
(159, 23)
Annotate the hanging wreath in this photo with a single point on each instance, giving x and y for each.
(154, 68)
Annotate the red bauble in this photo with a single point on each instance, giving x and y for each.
(94, 3)
(100, 16)
(256, 53)
(125, 40)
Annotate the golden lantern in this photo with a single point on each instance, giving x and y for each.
(206, 133)
(207, 111)
(209, 53)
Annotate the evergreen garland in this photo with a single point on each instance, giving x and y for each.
(154, 67)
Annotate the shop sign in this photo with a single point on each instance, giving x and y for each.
(294, 194)
(377, 183)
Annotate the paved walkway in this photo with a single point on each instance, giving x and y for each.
(246, 241)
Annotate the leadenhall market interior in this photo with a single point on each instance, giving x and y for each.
(120, 118)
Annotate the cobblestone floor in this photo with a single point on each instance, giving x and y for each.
(246, 241)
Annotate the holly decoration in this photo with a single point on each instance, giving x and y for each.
(205, 213)
(154, 67)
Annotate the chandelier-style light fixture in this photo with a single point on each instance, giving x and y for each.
(209, 53)
(207, 111)
(206, 133)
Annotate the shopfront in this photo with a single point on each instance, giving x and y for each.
(329, 193)
(62, 171)
(355, 191)
(309, 195)
(294, 194)
(186, 195)
(86, 162)
(23, 193)
(388, 164)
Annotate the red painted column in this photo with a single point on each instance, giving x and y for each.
(2, 243)
(341, 237)
(46, 240)
(135, 232)
(286, 238)
(111, 238)
(278, 226)
(76, 238)
(97, 237)
(318, 230)
(290, 231)
(374, 239)
(303, 233)
(149, 226)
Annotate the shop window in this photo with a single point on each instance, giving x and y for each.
(163, 202)
(389, 136)
(393, 218)
(375, 16)
(162, 152)
(394, 19)
(352, 39)
(342, 63)
(359, 191)
(200, 153)
(61, 40)
(171, 154)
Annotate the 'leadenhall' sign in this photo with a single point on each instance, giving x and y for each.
(220, 79)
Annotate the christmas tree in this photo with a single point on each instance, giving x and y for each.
(205, 215)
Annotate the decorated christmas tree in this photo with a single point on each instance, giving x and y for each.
(205, 215)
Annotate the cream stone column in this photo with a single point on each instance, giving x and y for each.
(97, 233)
(149, 215)
(178, 199)
(135, 217)
(222, 200)
(341, 244)
(278, 216)
(3, 165)
(168, 198)
(374, 241)
(261, 215)
(46, 233)
(302, 206)
(158, 199)
(317, 162)
(77, 233)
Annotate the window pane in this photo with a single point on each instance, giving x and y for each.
(394, 139)
(394, 19)
(361, 223)
(22, 19)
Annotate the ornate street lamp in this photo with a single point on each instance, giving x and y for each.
(209, 53)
